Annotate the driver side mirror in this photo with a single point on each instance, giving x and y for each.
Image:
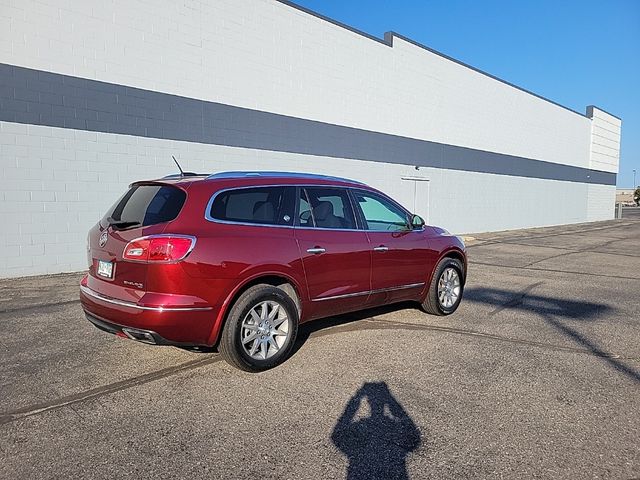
(417, 223)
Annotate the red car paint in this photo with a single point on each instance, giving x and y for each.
(184, 302)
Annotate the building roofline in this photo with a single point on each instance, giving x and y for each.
(333, 21)
(388, 41)
(390, 35)
(590, 112)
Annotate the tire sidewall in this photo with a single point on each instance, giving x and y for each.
(444, 264)
(240, 311)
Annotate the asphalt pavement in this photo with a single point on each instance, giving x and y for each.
(536, 375)
(631, 213)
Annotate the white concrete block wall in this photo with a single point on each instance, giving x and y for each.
(62, 181)
(605, 140)
(601, 201)
(604, 156)
(265, 55)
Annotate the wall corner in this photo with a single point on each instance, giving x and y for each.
(604, 148)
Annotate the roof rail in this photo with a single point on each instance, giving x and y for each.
(274, 174)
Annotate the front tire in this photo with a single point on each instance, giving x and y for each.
(445, 290)
(260, 330)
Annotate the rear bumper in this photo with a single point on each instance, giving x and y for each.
(176, 322)
(138, 334)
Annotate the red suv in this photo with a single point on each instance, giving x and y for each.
(237, 260)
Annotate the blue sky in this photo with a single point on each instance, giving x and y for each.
(574, 52)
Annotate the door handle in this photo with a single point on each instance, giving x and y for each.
(316, 250)
(381, 248)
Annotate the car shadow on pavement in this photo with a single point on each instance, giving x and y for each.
(557, 312)
(348, 322)
(376, 434)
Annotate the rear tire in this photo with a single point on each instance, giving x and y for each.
(260, 330)
(446, 288)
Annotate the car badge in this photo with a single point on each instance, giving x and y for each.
(103, 239)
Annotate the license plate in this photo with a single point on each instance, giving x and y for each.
(105, 269)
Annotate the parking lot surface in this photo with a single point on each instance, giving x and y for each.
(536, 375)
(629, 213)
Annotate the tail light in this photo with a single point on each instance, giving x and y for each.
(159, 248)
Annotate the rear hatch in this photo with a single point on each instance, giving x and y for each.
(146, 208)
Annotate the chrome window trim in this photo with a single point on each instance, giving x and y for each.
(369, 292)
(298, 227)
(124, 303)
(246, 224)
(207, 212)
(209, 218)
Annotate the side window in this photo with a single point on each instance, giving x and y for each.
(259, 205)
(322, 207)
(304, 209)
(381, 214)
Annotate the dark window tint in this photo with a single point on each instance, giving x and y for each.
(260, 205)
(380, 213)
(144, 205)
(325, 208)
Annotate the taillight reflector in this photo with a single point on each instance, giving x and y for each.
(159, 248)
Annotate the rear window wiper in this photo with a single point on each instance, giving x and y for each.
(121, 223)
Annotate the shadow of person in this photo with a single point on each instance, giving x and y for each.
(376, 444)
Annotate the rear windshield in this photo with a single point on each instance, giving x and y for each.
(144, 205)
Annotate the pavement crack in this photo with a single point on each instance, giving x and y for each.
(380, 324)
(593, 249)
(496, 241)
(361, 325)
(39, 306)
(69, 400)
(564, 254)
(566, 272)
(567, 252)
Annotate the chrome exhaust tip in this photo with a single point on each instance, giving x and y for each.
(139, 335)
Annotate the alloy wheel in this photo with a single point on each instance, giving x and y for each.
(448, 288)
(265, 330)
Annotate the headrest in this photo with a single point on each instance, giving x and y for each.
(323, 210)
(258, 205)
(264, 211)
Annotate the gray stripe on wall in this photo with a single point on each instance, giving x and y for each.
(44, 98)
